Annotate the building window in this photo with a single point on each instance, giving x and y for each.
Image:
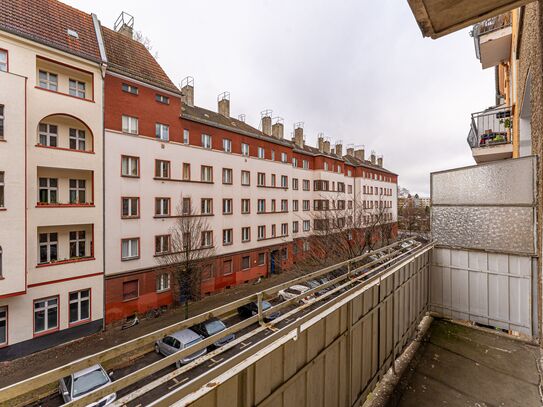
(206, 141)
(349, 189)
(48, 80)
(79, 306)
(45, 315)
(130, 124)
(207, 206)
(245, 234)
(261, 259)
(186, 136)
(227, 206)
(284, 205)
(227, 145)
(206, 173)
(295, 184)
(77, 244)
(162, 282)
(77, 88)
(261, 152)
(77, 139)
(130, 248)
(261, 179)
(3, 325)
(48, 134)
(245, 262)
(272, 181)
(130, 166)
(2, 186)
(48, 191)
(244, 149)
(77, 191)
(3, 63)
(261, 232)
(129, 88)
(186, 206)
(130, 208)
(294, 162)
(273, 205)
(245, 178)
(272, 230)
(131, 290)
(305, 185)
(284, 229)
(284, 253)
(305, 164)
(284, 157)
(305, 205)
(305, 246)
(162, 99)
(295, 226)
(207, 271)
(207, 238)
(227, 176)
(284, 181)
(162, 169)
(245, 206)
(306, 225)
(162, 244)
(48, 247)
(261, 206)
(1, 122)
(273, 155)
(162, 206)
(162, 131)
(227, 267)
(1, 263)
(186, 172)
(325, 166)
(227, 237)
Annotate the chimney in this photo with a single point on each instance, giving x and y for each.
(327, 147)
(187, 90)
(320, 142)
(223, 101)
(278, 128)
(125, 25)
(299, 134)
(339, 149)
(266, 119)
(350, 151)
(380, 161)
(241, 118)
(372, 157)
(359, 154)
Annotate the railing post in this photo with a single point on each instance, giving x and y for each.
(259, 303)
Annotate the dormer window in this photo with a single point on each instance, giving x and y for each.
(130, 88)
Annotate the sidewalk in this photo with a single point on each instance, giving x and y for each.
(31, 365)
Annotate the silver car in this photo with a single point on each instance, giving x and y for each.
(178, 341)
(80, 383)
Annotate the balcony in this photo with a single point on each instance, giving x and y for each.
(492, 40)
(490, 136)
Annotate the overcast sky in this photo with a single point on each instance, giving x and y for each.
(357, 70)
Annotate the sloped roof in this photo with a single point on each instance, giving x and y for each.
(47, 22)
(130, 57)
(352, 160)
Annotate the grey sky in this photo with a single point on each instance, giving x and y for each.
(356, 70)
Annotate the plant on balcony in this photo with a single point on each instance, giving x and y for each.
(507, 123)
(499, 139)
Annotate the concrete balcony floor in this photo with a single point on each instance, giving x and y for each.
(458, 365)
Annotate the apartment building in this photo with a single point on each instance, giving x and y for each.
(51, 248)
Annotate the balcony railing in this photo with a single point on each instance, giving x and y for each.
(491, 127)
(487, 27)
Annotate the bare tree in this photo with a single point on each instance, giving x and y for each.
(140, 37)
(191, 250)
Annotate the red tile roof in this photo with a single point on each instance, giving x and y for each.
(130, 57)
(47, 22)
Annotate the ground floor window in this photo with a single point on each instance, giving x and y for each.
(45, 314)
(79, 306)
(227, 267)
(261, 259)
(163, 282)
(3, 325)
(130, 290)
(245, 262)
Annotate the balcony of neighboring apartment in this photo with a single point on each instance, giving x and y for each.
(492, 40)
(491, 134)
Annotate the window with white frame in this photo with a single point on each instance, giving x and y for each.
(206, 173)
(284, 181)
(2, 186)
(273, 205)
(261, 179)
(129, 88)
(306, 225)
(130, 166)
(295, 226)
(227, 237)
(245, 206)
(272, 180)
(3, 63)
(48, 134)
(261, 206)
(244, 149)
(272, 231)
(162, 206)
(227, 145)
(77, 191)
(294, 162)
(206, 206)
(162, 244)
(186, 136)
(186, 206)
(245, 178)
(206, 141)
(48, 80)
(295, 205)
(349, 189)
(77, 139)
(79, 306)
(1, 122)
(245, 234)
(48, 190)
(48, 244)
(77, 88)
(305, 246)
(284, 229)
(78, 244)
(162, 99)
(227, 206)
(284, 205)
(130, 124)
(325, 166)
(305, 185)
(207, 238)
(273, 155)
(130, 248)
(45, 314)
(261, 152)
(306, 205)
(3, 325)
(227, 175)
(305, 164)
(162, 282)
(261, 232)
(162, 131)
(284, 157)
(162, 169)
(130, 207)
(295, 184)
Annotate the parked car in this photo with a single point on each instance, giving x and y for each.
(211, 327)
(178, 341)
(294, 291)
(251, 309)
(314, 284)
(80, 383)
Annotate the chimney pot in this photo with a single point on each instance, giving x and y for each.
(372, 157)
(125, 25)
(320, 144)
(223, 101)
(327, 147)
(299, 134)
(187, 90)
(380, 161)
(278, 128)
(339, 149)
(350, 151)
(360, 154)
(266, 119)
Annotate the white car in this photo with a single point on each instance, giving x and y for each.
(80, 383)
(295, 291)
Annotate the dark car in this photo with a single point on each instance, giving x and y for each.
(211, 327)
(314, 284)
(251, 309)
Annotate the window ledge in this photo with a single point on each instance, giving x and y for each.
(182, 180)
(62, 205)
(272, 187)
(64, 149)
(130, 258)
(67, 261)
(76, 323)
(3, 209)
(182, 216)
(64, 94)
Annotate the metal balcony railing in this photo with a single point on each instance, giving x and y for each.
(491, 127)
(488, 26)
